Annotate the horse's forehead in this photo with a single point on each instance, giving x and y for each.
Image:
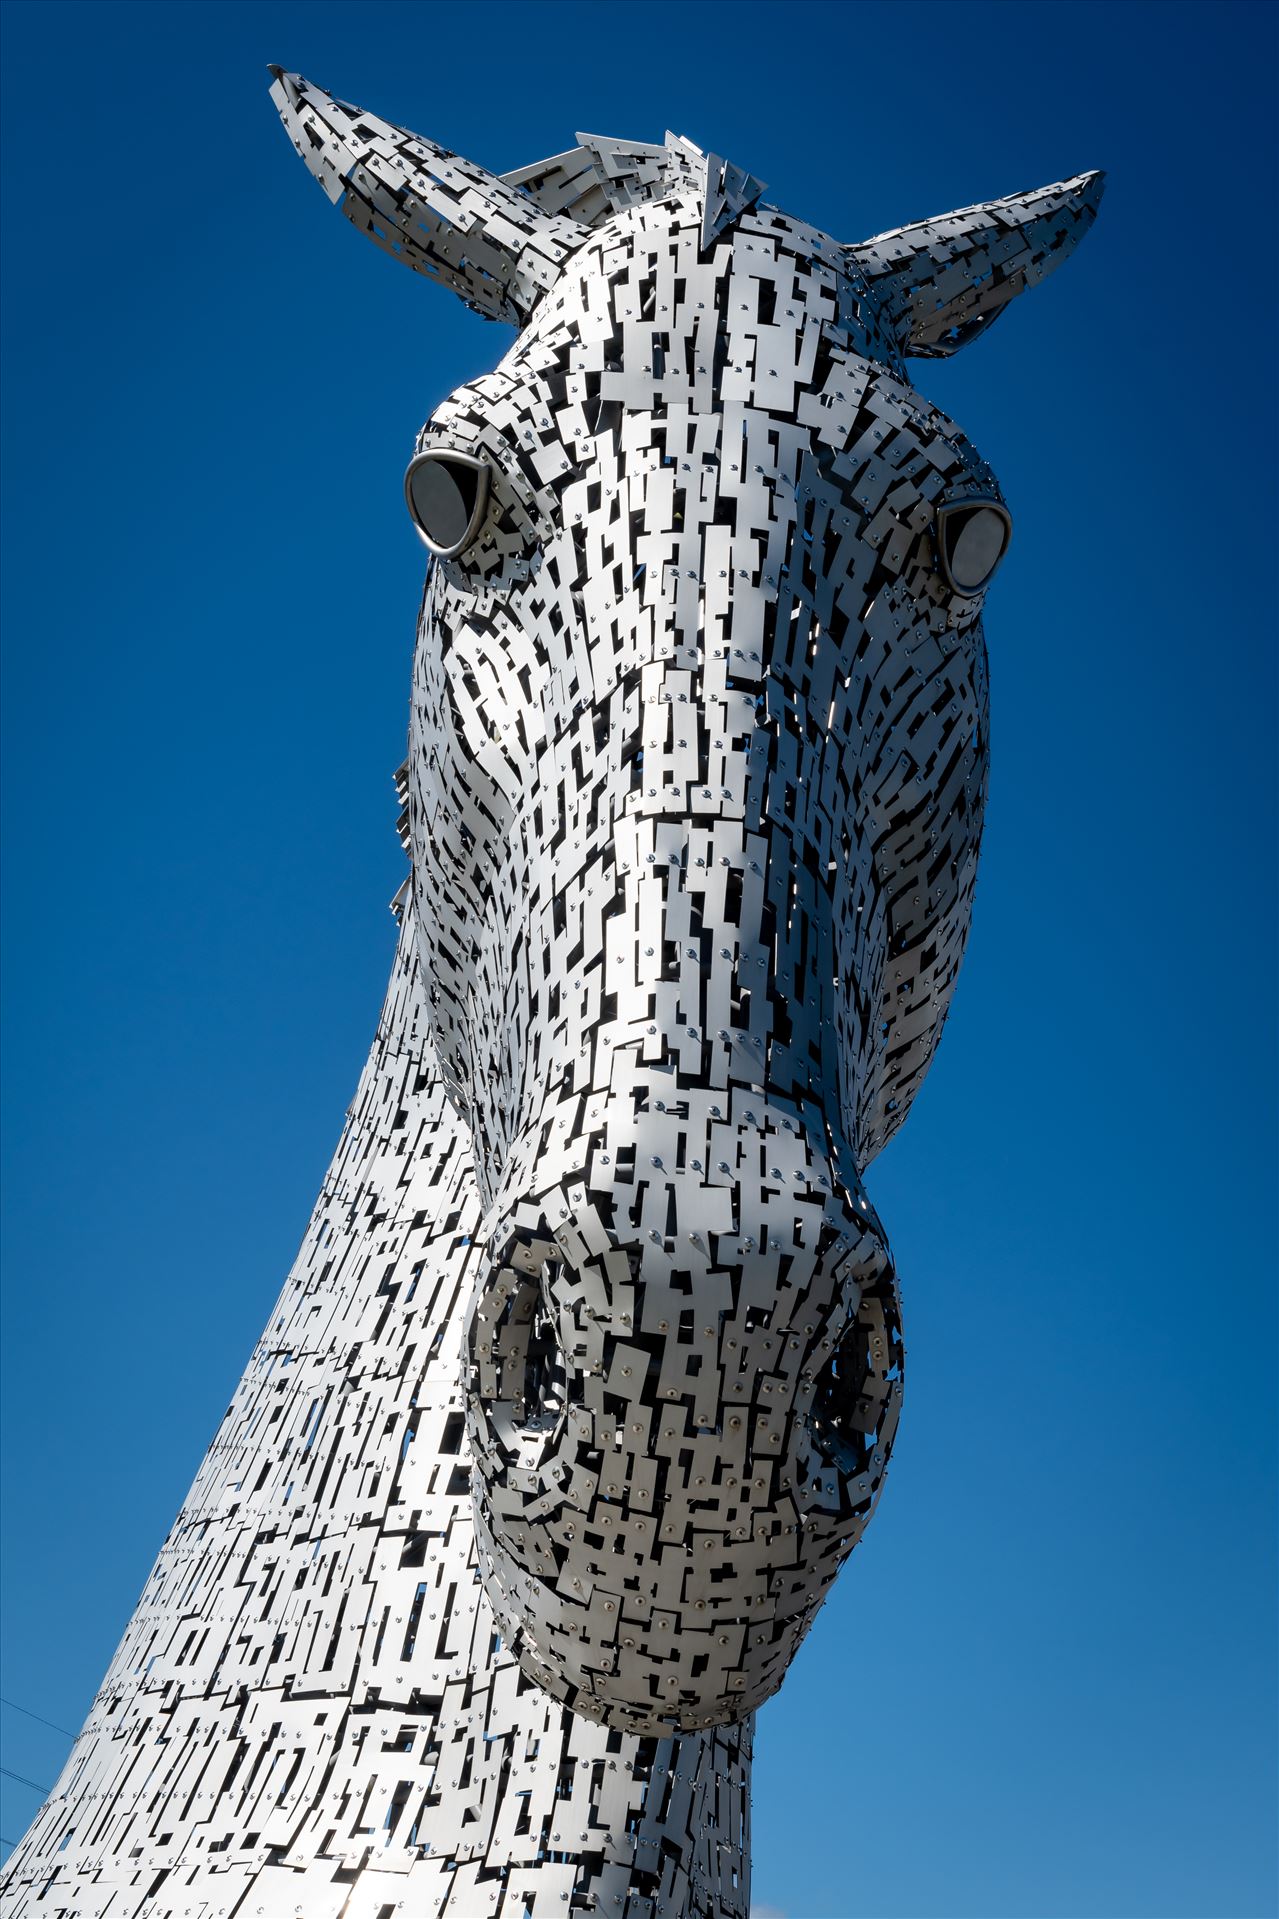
(643, 281)
(682, 346)
(653, 254)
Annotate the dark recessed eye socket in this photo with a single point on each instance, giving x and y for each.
(447, 494)
(972, 538)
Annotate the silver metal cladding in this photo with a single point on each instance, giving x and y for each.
(584, 1382)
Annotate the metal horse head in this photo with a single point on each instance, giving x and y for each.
(694, 795)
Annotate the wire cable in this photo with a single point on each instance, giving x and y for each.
(24, 1781)
(15, 1707)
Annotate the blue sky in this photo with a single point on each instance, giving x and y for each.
(1045, 1687)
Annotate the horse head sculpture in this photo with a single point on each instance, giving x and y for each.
(694, 796)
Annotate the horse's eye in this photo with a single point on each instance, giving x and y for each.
(972, 538)
(447, 493)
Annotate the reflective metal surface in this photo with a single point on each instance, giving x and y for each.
(584, 1383)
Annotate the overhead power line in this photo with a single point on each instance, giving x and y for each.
(24, 1781)
(15, 1707)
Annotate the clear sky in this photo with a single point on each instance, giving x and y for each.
(1045, 1686)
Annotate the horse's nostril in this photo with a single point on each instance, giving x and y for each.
(521, 1377)
(545, 1374)
(857, 1385)
(841, 1420)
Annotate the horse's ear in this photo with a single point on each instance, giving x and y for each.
(941, 283)
(443, 216)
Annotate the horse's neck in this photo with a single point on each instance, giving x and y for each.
(310, 1710)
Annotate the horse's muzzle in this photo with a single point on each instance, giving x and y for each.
(683, 1382)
